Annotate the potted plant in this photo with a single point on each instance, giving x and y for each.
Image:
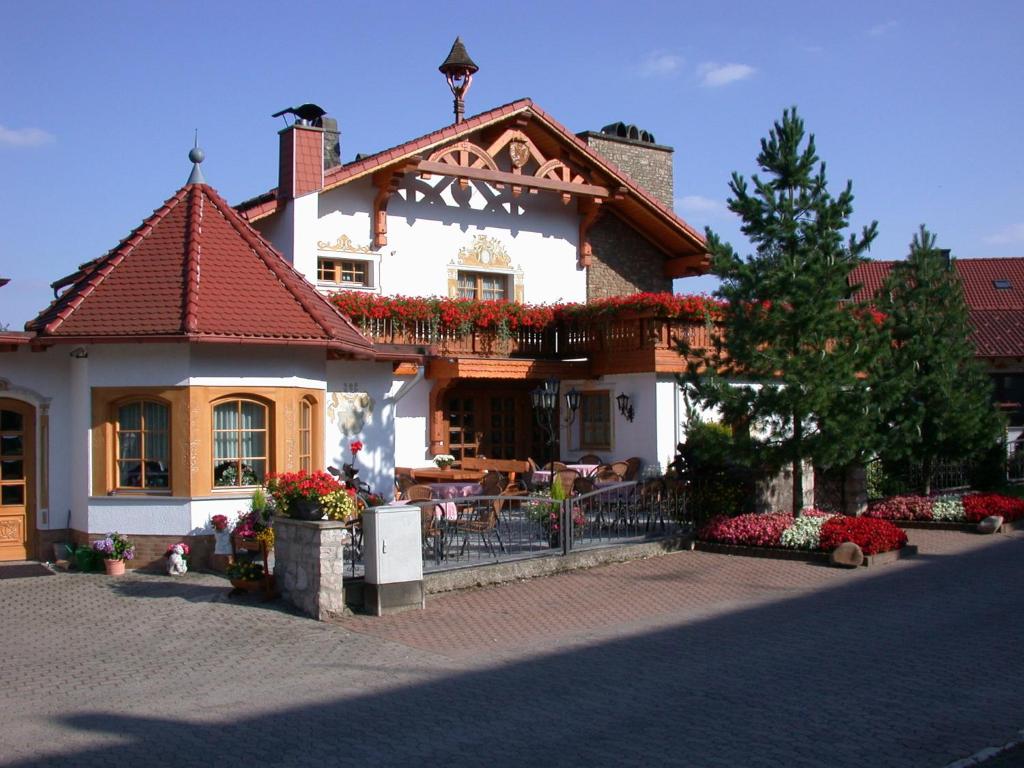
(115, 549)
(300, 494)
(444, 460)
(247, 575)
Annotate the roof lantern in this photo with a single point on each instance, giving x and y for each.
(458, 70)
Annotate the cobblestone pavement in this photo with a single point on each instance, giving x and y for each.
(687, 659)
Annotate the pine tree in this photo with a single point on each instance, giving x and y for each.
(789, 350)
(937, 402)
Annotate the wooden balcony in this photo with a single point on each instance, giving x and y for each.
(625, 344)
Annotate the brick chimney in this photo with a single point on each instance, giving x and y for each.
(301, 165)
(634, 151)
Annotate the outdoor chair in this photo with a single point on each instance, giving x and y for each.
(620, 468)
(403, 482)
(633, 465)
(492, 483)
(605, 472)
(482, 520)
(589, 458)
(555, 466)
(433, 536)
(419, 493)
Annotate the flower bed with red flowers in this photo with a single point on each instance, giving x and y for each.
(870, 534)
(767, 530)
(465, 315)
(747, 530)
(978, 506)
(949, 511)
(902, 508)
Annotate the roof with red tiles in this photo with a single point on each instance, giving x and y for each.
(267, 203)
(195, 271)
(997, 313)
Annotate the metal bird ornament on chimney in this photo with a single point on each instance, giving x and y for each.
(458, 70)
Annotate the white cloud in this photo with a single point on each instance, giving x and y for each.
(660, 64)
(880, 29)
(24, 137)
(1007, 235)
(713, 75)
(701, 206)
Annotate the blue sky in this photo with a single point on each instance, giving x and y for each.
(917, 102)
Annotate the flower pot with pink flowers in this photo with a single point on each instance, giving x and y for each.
(115, 549)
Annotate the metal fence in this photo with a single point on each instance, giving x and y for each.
(479, 530)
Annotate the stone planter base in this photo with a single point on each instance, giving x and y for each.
(799, 555)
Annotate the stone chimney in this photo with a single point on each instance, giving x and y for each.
(635, 151)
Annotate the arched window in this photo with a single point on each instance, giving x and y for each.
(306, 435)
(142, 429)
(240, 439)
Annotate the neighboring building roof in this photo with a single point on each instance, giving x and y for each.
(195, 271)
(637, 204)
(993, 291)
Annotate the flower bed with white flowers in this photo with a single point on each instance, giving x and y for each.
(953, 512)
(812, 536)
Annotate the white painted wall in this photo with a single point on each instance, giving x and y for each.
(373, 424)
(634, 438)
(42, 379)
(428, 223)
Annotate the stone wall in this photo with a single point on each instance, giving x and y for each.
(623, 261)
(308, 565)
(649, 165)
(841, 492)
(775, 494)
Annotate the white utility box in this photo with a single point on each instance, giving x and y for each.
(393, 556)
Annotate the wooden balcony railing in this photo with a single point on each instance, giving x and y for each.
(560, 340)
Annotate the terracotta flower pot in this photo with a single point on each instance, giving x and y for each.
(114, 567)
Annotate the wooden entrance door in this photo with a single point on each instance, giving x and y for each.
(17, 473)
(493, 420)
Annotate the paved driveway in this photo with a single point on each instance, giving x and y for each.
(687, 659)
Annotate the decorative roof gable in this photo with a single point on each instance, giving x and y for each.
(195, 271)
(520, 146)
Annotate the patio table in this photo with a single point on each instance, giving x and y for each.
(454, 490)
(435, 475)
(543, 476)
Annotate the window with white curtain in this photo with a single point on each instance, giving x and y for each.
(240, 441)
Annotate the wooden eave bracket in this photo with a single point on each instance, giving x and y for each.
(590, 209)
(387, 182)
(687, 266)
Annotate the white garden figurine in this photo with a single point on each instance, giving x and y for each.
(176, 565)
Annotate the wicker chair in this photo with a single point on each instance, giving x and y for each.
(589, 458)
(419, 493)
(605, 472)
(555, 466)
(482, 519)
(620, 468)
(492, 484)
(403, 482)
(633, 465)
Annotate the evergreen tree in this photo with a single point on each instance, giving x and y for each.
(936, 398)
(789, 350)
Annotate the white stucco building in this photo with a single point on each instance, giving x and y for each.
(170, 374)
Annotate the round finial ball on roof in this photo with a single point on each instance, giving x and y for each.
(196, 155)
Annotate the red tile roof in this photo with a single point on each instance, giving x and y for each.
(267, 203)
(997, 314)
(196, 271)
